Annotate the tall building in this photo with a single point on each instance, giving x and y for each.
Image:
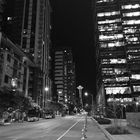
(27, 23)
(2, 5)
(64, 75)
(118, 50)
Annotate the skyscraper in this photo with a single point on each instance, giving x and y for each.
(64, 75)
(29, 22)
(118, 49)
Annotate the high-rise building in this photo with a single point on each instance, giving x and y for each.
(118, 50)
(64, 76)
(2, 9)
(27, 24)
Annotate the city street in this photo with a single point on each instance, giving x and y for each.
(60, 128)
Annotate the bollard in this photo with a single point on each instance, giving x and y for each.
(84, 130)
(84, 137)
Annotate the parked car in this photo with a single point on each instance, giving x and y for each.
(33, 115)
(49, 114)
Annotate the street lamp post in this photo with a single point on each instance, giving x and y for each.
(86, 94)
(44, 97)
(80, 94)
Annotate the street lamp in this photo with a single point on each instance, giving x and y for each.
(80, 94)
(46, 89)
(44, 96)
(86, 94)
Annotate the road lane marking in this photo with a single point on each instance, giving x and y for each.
(69, 129)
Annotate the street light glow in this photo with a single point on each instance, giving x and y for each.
(86, 94)
(46, 88)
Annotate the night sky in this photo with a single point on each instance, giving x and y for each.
(72, 25)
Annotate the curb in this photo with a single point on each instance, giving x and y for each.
(106, 133)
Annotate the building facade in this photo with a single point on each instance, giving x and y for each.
(118, 50)
(28, 25)
(13, 66)
(64, 76)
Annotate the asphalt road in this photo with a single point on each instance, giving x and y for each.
(60, 128)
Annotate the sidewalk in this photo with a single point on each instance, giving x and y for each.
(135, 132)
(93, 131)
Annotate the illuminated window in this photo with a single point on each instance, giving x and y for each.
(131, 38)
(136, 88)
(135, 76)
(119, 100)
(128, 30)
(131, 22)
(110, 37)
(9, 18)
(121, 79)
(138, 50)
(100, 1)
(131, 14)
(107, 72)
(111, 44)
(120, 70)
(109, 80)
(115, 90)
(109, 21)
(109, 27)
(108, 14)
(127, 99)
(113, 61)
(135, 6)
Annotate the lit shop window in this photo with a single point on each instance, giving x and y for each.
(135, 76)
(136, 88)
(106, 14)
(109, 21)
(100, 1)
(131, 22)
(110, 37)
(135, 6)
(120, 90)
(132, 14)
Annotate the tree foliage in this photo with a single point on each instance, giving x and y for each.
(14, 99)
(55, 106)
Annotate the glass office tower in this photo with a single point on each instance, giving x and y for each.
(118, 49)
